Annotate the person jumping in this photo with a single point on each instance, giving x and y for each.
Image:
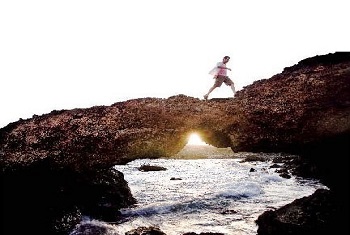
(220, 76)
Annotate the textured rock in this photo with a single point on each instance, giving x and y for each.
(304, 110)
(316, 214)
(145, 231)
(307, 102)
(100, 137)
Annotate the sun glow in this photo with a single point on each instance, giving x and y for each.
(195, 139)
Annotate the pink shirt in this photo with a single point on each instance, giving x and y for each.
(222, 72)
(217, 71)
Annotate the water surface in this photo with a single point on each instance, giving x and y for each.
(208, 195)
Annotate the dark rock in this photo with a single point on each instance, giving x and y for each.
(58, 197)
(145, 231)
(91, 229)
(316, 214)
(151, 168)
(175, 178)
(228, 212)
(285, 175)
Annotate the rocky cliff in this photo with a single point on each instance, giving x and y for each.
(304, 110)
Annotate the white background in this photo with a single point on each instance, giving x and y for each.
(80, 53)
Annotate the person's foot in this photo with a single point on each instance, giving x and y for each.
(205, 97)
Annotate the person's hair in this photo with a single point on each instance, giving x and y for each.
(226, 57)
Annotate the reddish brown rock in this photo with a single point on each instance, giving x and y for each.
(307, 102)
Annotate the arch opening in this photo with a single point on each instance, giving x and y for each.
(195, 139)
(196, 148)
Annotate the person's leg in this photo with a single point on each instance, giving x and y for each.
(233, 89)
(230, 83)
(218, 81)
(210, 90)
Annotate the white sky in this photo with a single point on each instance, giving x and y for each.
(67, 54)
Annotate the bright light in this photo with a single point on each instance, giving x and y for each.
(195, 140)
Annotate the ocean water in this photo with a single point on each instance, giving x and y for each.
(209, 195)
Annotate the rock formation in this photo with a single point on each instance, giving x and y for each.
(304, 110)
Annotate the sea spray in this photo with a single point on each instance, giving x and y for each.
(210, 195)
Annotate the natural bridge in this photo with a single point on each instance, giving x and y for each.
(304, 110)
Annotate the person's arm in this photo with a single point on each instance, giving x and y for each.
(221, 65)
(224, 67)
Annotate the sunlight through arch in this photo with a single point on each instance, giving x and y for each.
(196, 148)
(195, 139)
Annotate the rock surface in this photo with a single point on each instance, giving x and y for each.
(316, 214)
(304, 110)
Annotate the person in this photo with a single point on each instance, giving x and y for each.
(220, 76)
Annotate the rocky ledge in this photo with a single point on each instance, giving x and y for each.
(57, 167)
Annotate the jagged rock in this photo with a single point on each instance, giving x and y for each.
(92, 229)
(48, 199)
(316, 214)
(304, 110)
(151, 168)
(145, 231)
(175, 178)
